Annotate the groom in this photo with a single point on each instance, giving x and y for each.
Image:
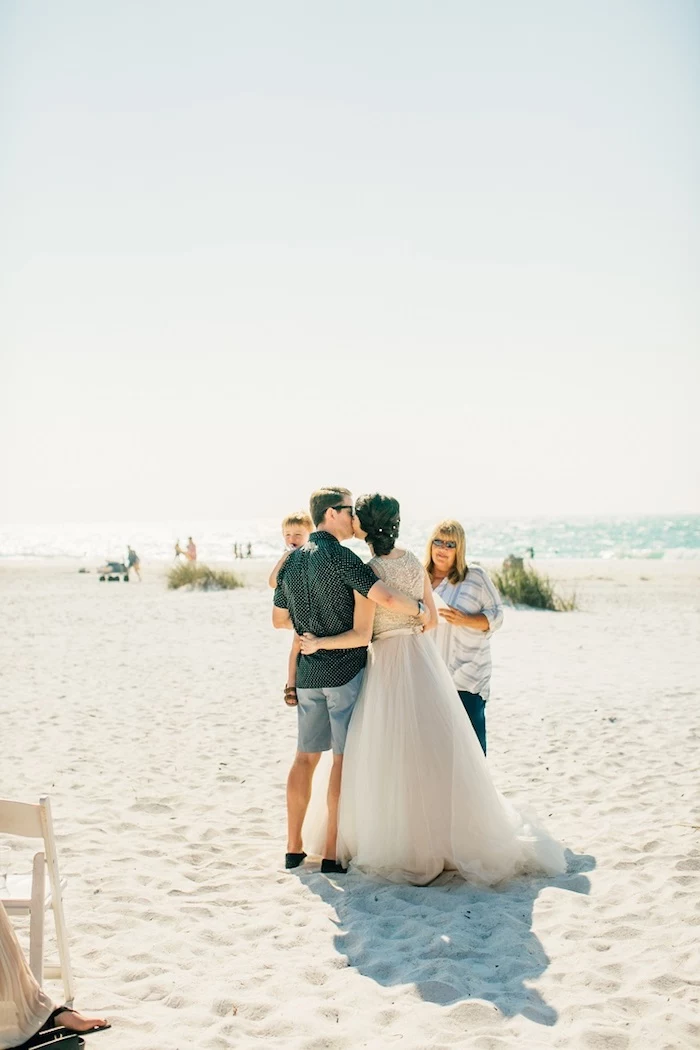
(325, 589)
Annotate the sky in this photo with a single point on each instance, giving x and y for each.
(444, 249)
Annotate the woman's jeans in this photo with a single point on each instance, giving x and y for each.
(475, 708)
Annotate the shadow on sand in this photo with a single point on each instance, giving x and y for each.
(451, 940)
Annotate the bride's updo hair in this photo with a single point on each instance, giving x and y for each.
(380, 518)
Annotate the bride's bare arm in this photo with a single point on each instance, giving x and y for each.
(429, 604)
(400, 603)
(357, 638)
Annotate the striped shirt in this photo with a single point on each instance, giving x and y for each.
(466, 651)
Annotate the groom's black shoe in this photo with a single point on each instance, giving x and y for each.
(332, 867)
(293, 860)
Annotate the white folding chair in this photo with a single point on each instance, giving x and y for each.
(28, 895)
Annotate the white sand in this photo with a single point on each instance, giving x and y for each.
(155, 722)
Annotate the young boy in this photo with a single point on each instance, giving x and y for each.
(296, 529)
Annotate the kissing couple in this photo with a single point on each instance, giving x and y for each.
(408, 793)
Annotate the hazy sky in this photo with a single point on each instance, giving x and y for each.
(448, 250)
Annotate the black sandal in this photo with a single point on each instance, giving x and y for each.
(53, 1039)
(51, 1022)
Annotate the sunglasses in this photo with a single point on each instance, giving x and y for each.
(449, 544)
(344, 506)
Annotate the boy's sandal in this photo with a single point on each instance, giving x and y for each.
(290, 696)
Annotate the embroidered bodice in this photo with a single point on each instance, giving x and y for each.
(405, 574)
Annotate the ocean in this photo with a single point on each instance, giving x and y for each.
(675, 536)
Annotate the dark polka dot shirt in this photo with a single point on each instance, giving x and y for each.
(316, 585)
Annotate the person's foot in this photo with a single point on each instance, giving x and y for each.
(332, 867)
(293, 860)
(73, 1021)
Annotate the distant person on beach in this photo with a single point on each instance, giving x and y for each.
(324, 587)
(25, 1008)
(470, 611)
(133, 562)
(296, 529)
(531, 553)
(191, 551)
(249, 551)
(235, 551)
(178, 551)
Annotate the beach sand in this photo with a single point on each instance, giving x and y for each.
(154, 720)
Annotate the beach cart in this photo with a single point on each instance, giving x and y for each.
(113, 570)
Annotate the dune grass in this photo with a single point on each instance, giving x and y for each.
(200, 577)
(525, 586)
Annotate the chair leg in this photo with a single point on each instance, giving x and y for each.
(36, 918)
(63, 951)
(57, 902)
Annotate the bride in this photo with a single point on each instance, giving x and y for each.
(417, 797)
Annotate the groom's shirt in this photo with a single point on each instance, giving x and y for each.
(316, 585)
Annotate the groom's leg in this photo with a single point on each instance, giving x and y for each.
(333, 799)
(341, 703)
(314, 736)
(298, 795)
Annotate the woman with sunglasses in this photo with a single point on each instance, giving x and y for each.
(470, 610)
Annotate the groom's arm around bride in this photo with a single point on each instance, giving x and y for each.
(358, 637)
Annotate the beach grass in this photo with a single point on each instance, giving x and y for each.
(200, 577)
(523, 585)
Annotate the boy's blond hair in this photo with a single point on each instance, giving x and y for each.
(300, 518)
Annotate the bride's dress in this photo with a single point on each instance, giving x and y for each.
(417, 796)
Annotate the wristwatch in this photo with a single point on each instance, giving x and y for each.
(421, 606)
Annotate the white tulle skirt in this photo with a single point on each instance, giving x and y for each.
(417, 797)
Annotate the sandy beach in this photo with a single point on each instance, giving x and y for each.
(154, 720)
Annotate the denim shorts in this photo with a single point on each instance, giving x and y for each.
(324, 716)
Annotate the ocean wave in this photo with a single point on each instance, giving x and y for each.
(649, 538)
(673, 553)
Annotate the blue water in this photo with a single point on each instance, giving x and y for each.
(676, 536)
